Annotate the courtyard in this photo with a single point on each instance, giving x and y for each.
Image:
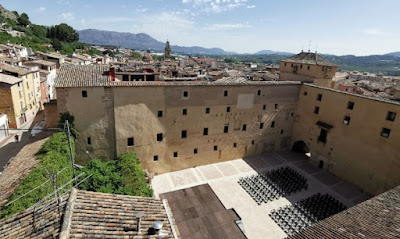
(223, 179)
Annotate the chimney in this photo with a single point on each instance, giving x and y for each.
(138, 220)
(157, 227)
(111, 73)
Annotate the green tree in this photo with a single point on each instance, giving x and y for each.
(39, 31)
(121, 176)
(63, 32)
(23, 20)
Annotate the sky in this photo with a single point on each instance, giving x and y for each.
(341, 27)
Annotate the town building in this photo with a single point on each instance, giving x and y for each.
(307, 67)
(20, 94)
(176, 125)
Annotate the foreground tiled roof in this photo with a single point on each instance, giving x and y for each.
(309, 58)
(43, 221)
(86, 214)
(100, 215)
(376, 218)
(97, 76)
(199, 214)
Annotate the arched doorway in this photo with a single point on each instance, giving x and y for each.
(300, 147)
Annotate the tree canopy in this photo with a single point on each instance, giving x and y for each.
(23, 20)
(62, 32)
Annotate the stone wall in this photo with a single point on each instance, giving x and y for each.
(356, 151)
(51, 114)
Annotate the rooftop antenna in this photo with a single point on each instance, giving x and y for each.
(316, 50)
(309, 46)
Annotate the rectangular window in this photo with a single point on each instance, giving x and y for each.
(308, 67)
(305, 93)
(346, 120)
(350, 105)
(160, 113)
(316, 110)
(84, 93)
(27, 85)
(225, 93)
(228, 109)
(276, 106)
(319, 97)
(322, 136)
(272, 124)
(184, 134)
(159, 137)
(385, 132)
(281, 131)
(175, 154)
(264, 107)
(215, 147)
(205, 131)
(89, 141)
(234, 145)
(184, 112)
(244, 127)
(252, 142)
(195, 151)
(391, 116)
(155, 158)
(130, 141)
(226, 128)
(261, 125)
(207, 110)
(301, 66)
(185, 94)
(259, 92)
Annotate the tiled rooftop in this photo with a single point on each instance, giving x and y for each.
(97, 76)
(19, 70)
(86, 214)
(376, 218)
(309, 58)
(9, 79)
(43, 221)
(381, 99)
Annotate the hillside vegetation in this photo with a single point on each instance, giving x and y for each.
(61, 37)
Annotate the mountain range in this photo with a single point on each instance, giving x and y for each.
(142, 41)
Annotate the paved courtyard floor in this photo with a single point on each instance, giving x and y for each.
(223, 179)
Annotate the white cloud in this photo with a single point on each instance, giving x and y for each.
(216, 6)
(42, 9)
(251, 6)
(141, 10)
(67, 16)
(374, 32)
(224, 27)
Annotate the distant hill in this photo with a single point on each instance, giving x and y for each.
(140, 41)
(269, 52)
(396, 54)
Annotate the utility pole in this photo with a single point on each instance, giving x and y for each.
(70, 150)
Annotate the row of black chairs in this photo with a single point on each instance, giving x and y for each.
(295, 218)
(274, 184)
